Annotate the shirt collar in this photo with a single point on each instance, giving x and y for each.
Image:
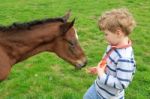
(122, 46)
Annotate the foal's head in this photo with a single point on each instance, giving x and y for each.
(67, 46)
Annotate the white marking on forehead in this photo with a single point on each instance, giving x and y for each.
(76, 33)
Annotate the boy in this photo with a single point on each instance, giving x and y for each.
(117, 67)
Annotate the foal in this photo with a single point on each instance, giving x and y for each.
(20, 41)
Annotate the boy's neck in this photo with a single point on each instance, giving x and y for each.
(124, 42)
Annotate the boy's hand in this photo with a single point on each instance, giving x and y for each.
(92, 70)
(101, 70)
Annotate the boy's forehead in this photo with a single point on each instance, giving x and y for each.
(108, 32)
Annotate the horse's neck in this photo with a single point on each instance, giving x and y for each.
(29, 44)
(38, 49)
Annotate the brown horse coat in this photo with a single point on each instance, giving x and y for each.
(20, 41)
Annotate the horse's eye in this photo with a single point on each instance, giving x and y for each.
(71, 43)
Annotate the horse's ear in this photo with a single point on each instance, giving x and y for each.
(66, 16)
(66, 26)
(72, 22)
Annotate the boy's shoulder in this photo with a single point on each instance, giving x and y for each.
(108, 48)
(126, 52)
(122, 52)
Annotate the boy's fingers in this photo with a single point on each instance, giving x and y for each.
(92, 70)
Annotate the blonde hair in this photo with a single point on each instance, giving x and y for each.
(117, 18)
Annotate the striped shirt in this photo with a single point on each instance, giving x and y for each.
(118, 75)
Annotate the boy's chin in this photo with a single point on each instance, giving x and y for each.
(112, 44)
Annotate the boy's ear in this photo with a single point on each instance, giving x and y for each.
(119, 32)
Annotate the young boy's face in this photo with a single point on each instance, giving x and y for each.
(111, 38)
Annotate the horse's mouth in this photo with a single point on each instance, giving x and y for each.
(78, 67)
(81, 64)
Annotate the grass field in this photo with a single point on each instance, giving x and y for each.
(45, 76)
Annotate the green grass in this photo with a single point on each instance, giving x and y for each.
(45, 76)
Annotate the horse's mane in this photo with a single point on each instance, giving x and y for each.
(28, 25)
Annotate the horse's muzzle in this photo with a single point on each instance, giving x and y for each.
(81, 63)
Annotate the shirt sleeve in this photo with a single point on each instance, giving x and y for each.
(107, 49)
(124, 74)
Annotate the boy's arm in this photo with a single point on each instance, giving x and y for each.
(125, 69)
